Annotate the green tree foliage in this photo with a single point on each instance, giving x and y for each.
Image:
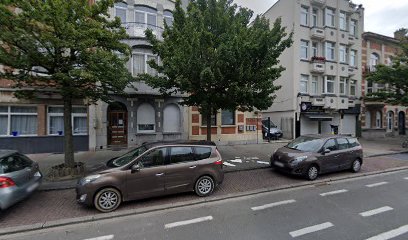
(68, 47)
(213, 54)
(394, 76)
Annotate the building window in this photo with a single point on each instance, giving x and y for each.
(315, 85)
(368, 119)
(329, 84)
(342, 85)
(304, 49)
(78, 119)
(330, 48)
(213, 120)
(378, 119)
(374, 60)
(342, 21)
(369, 87)
(18, 120)
(390, 121)
(227, 117)
(315, 49)
(353, 58)
(140, 64)
(353, 27)
(120, 11)
(342, 54)
(146, 17)
(304, 81)
(315, 17)
(330, 17)
(353, 87)
(304, 16)
(168, 18)
(146, 118)
(171, 118)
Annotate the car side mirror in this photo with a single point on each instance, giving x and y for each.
(326, 151)
(135, 168)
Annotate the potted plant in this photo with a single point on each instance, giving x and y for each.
(14, 133)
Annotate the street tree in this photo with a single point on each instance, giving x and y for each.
(394, 76)
(214, 55)
(68, 47)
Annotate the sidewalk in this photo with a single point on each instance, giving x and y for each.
(236, 157)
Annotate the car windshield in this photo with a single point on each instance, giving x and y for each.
(129, 156)
(306, 144)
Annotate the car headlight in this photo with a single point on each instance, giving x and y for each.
(297, 160)
(89, 179)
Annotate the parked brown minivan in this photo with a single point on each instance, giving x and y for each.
(154, 169)
(311, 155)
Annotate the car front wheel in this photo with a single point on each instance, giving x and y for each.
(356, 167)
(312, 173)
(107, 199)
(204, 186)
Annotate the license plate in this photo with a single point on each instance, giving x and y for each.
(279, 164)
(33, 187)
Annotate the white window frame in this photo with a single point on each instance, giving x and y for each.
(304, 14)
(374, 61)
(145, 18)
(353, 58)
(353, 27)
(330, 17)
(343, 21)
(342, 54)
(73, 115)
(330, 48)
(315, 17)
(326, 81)
(343, 86)
(314, 85)
(122, 8)
(9, 114)
(304, 81)
(304, 47)
(315, 49)
(352, 83)
(145, 56)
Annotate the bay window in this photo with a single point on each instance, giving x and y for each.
(330, 48)
(146, 17)
(120, 11)
(18, 120)
(304, 49)
(304, 81)
(304, 16)
(330, 17)
(168, 17)
(140, 65)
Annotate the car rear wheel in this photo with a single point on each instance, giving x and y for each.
(107, 199)
(312, 173)
(356, 167)
(204, 186)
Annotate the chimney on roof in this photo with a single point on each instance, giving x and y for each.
(401, 33)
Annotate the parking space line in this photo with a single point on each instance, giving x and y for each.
(107, 237)
(236, 161)
(376, 211)
(406, 178)
(376, 184)
(333, 192)
(272, 205)
(390, 234)
(187, 222)
(311, 229)
(262, 162)
(228, 164)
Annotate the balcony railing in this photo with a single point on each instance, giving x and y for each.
(136, 29)
(317, 33)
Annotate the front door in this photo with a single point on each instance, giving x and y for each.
(117, 129)
(149, 180)
(329, 161)
(180, 173)
(401, 123)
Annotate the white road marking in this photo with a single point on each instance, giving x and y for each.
(272, 205)
(390, 234)
(376, 211)
(107, 237)
(333, 193)
(254, 158)
(228, 164)
(406, 178)
(236, 161)
(187, 222)
(311, 229)
(261, 162)
(376, 184)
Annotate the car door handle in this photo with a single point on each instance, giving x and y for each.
(192, 167)
(159, 174)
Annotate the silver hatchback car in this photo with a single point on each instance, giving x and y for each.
(19, 177)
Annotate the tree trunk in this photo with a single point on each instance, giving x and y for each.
(68, 140)
(208, 117)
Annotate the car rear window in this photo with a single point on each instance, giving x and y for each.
(342, 143)
(353, 142)
(14, 163)
(202, 152)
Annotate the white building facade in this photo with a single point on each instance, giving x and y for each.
(321, 87)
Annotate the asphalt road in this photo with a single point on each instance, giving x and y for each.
(374, 208)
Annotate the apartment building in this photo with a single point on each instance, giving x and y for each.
(321, 87)
(143, 115)
(379, 119)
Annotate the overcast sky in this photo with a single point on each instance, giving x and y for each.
(383, 17)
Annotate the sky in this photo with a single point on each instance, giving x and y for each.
(382, 17)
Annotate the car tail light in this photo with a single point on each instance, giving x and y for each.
(6, 182)
(219, 162)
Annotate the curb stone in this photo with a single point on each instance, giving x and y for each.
(92, 218)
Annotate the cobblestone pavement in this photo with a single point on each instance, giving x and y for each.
(55, 205)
